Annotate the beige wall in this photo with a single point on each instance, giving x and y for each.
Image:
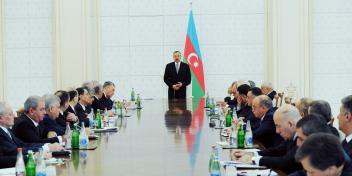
(77, 39)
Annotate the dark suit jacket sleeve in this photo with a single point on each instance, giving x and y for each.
(284, 163)
(7, 161)
(24, 132)
(279, 150)
(187, 80)
(264, 130)
(167, 76)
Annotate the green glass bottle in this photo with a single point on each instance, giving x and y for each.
(30, 166)
(75, 138)
(240, 137)
(98, 119)
(139, 103)
(228, 119)
(132, 95)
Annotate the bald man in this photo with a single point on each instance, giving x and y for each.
(281, 157)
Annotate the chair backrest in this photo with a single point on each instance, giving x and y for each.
(279, 97)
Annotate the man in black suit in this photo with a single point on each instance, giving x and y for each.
(52, 108)
(281, 157)
(262, 108)
(177, 77)
(27, 126)
(97, 94)
(108, 93)
(9, 142)
(322, 154)
(82, 110)
(345, 123)
(252, 93)
(267, 89)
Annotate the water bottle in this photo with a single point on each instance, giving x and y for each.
(207, 101)
(20, 168)
(233, 137)
(30, 166)
(213, 153)
(212, 107)
(75, 138)
(132, 95)
(215, 167)
(41, 168)
(83, 138)
(249, 135)
(240, 137)
(68, 135)
(98, 119)
(228, 118)
(91, 119)
(139, 103)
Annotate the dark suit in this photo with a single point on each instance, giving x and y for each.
(51, 125)
(6, 161)
(96, 104)
(61, 120)
(281, 157)
(231, 102)
(272, 94)
(25, 130)
(171, 77)
(266, 131)
(10, 145)
(82, 114)
(347, 147)
(70, 110)
(106, 102)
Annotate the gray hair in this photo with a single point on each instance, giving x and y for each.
(267, 84)
(304, 104)
(289, 112)
(265, 101)
(50, 101)
(2, 108)
(108, 83)
(347, 103)
(32, 102)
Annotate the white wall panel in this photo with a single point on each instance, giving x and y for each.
(332, 51)
(230, 33)
(28, 48)
(115, 31)
(146, 30)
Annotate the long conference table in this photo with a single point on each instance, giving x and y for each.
(163, 138)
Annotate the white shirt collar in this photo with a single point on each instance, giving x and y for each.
(34, 122)
(73, 108)
(5, 129)
(348, 138)
(83, 107)
(62, 113)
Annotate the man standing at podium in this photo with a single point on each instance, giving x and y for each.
(177, 76)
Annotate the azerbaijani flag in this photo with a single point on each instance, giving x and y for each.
(193, 58)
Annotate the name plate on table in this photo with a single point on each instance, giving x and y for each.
(105, 129)
(226, 145)
(90, 147)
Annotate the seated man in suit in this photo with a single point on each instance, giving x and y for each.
(252, 93)
(245, 111)
(322, 154)
(108, 93)
(323, 108)
(97, 94)
(64, 99)
(52, 108)
(27, 126)
(84, 101)
(302, 105)
(267, 89)
(304, 128)
(345, 123)
(281, 157)
(9, 142)
(262, 108)
(71, 111)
